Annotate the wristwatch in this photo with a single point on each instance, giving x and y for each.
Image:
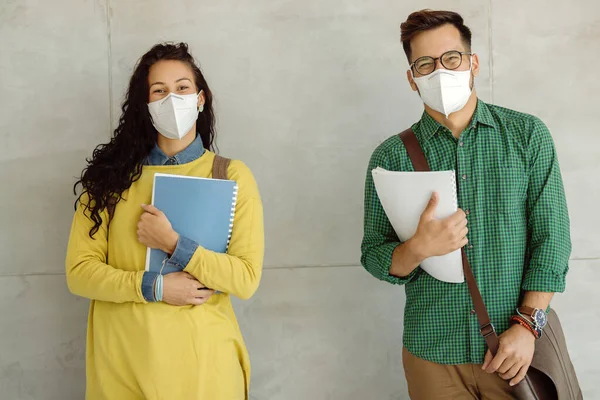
(537, 315)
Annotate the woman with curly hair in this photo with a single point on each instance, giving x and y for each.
(152, 336)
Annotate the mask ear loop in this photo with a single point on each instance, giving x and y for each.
(472, 77)
(164, 262)
(201, 106)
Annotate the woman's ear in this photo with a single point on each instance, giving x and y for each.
(201, 101)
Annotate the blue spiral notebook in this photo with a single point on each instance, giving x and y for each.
(201, 209)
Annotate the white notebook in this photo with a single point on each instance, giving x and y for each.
(404, 196)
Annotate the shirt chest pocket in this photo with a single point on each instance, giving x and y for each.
(504, 189)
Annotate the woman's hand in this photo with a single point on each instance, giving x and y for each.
(182, 289)
(155, 231)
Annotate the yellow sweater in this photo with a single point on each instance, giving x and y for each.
(138, 350)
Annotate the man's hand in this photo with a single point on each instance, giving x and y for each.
(514, 355)
(436, 237)
(155, 231)
(182, 289)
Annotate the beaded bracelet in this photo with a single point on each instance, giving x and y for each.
(516, 319)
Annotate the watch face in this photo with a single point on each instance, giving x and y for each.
(540, 318)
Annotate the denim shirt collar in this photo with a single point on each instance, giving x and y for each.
(193, 152)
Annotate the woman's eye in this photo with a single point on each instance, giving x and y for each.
(184, 87)
(158, 91)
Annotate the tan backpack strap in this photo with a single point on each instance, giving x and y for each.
(220, 166)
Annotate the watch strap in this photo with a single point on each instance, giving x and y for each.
(529, 311)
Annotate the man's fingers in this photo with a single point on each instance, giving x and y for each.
(496, 363)
(431, 206)
(520, 376)
(511, 373)
(505, 367)
(486, 361)
(457, 218)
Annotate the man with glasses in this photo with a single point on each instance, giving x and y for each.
(512, 223)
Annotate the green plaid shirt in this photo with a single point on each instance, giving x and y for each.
(510, 186)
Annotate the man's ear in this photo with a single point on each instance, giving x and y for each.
(475, 64)
(411, 81)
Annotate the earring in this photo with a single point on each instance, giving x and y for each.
(201, 108)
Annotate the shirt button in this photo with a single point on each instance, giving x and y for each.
(461, 144)
(464, 177)
(467, 212)
(470, 246)
(472, 312)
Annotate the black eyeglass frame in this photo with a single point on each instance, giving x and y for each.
(441, 58)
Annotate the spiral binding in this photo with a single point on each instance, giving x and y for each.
(232, 215)
(455, 187)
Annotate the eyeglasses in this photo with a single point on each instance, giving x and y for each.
(450, 60)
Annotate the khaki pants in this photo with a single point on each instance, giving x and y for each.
(431, 381)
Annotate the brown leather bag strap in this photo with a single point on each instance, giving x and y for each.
(414, 150)
(486, 328)
(419, 161)
(220, 166)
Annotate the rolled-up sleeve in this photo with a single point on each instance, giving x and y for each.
(183, 253)
(549, 244)
(379, 239)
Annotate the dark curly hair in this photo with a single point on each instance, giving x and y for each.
(114, 166)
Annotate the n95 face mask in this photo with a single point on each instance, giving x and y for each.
(174, 116)
(445, 91)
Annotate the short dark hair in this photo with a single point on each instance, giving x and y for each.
(424, 20)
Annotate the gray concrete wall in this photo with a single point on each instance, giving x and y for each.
(305, 90)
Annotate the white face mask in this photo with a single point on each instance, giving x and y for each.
(445, 91)
(174, 116)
